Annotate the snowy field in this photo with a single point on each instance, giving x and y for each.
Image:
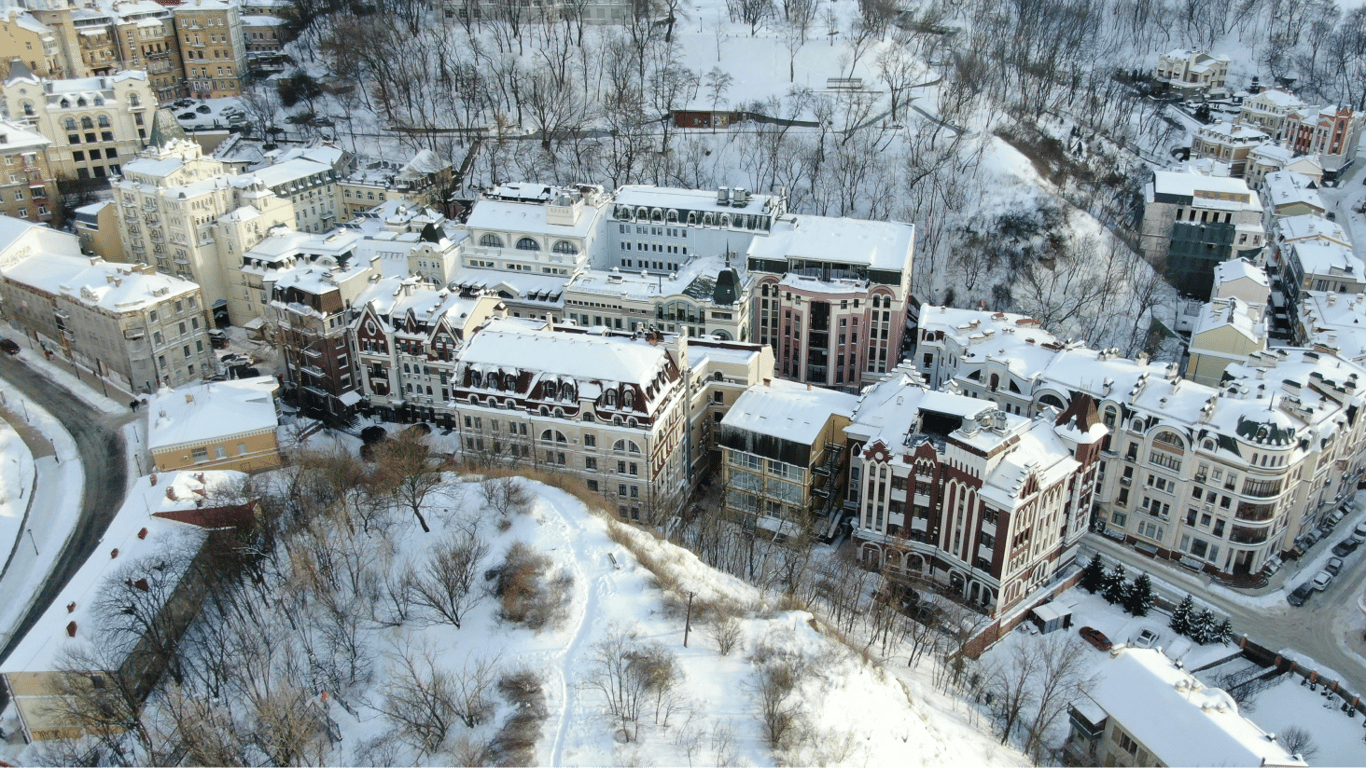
(16, 488)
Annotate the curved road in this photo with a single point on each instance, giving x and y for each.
(102, 454)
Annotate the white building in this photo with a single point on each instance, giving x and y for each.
(1192, 72)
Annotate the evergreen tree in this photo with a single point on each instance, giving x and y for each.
(1115, 586)
(1181, 617)
(1139, 600)
(1203, 627)
(1093, 575)
(1224, 633)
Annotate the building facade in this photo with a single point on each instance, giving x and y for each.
(28, 185)
(1192, 222)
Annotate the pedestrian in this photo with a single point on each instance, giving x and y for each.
(134, 405)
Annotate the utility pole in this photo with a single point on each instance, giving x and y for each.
(31, 541)
(687, 626)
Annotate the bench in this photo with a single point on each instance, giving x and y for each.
(844, 83)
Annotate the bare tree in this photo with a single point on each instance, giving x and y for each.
(630, 673)
(505, 495)
(1010, 681)
(773, 687)
(420, 698)
(403, 469)
(447, 586)
(1061, 679)
(1298, 741)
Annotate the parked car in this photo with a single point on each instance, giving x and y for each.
(1360, 530)
(9, 346)
(1344, 548)
(189, 116)
(182, 102)
(203, 109)
(1301, 594)
(1097, 638)
(1146, 639)
(1321, 580)
(1334, 565)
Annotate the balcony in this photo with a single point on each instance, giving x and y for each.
(132, 334)
(61, 314)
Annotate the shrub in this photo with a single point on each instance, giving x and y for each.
(528, 593)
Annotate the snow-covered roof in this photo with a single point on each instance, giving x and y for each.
(1327, 258)
(42, 648)
(1198, 185)
(15, 136)
(1335, 321)
(279, 174)
(1240, 269)
(1231, 132)
(648, 196)
(883, 245)
(787, 410)
(1277, 97)
(1017, 341)
(516, 217)
(1229, 313)
(1307, 226)
(1179, 719)
(522, 286)
(111, 287)
(508, 344)
(695, 277)
(1288, 187)
(281, 243)
(262, 21)
(211, 412)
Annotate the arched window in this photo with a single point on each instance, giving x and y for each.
(527, 244)
(103, 121)
(610, 398)
(548, 390)
(86, 122)
(1052, 400)
(553, 436)
(567, 392)
(624, 446)
(628, 399)
(564, 246)
(476, 379)
(133, 100)
(69, 123)
(510, 382)
(28, 109)
(716, 376)
(1169, 439)
(491, 240)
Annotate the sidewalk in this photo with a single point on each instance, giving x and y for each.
(80, 381)
(17, 478)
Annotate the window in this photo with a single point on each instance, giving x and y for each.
(593, 485)
(564, 246)
(590, 441)
(220, 452)
(590, 463)
(199, 455)
(491, 241)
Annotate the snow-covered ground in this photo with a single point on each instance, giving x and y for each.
(52, 517)
(1288, 703)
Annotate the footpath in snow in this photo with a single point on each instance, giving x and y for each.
(16, 489)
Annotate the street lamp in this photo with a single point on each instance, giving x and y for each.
(34, 543)
(54, 451)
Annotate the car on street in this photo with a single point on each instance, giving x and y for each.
(1301, 593)
(203, 109)
(9, 346)
(1146, 639)
(1344, 548)
(1321, 580)
(1096, 637)
(189, 116)
(1334, 565)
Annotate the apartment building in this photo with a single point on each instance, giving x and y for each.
(180, 212)
(311, 310)
(786, 461)
(1225, 331)
(608, 409)
(1192, 222)
(1270, 158)
(720, 372)
(97, 225)
(145, 36)
(212, 46)
(954, 490)
(95, 124)
(1331, 133)
(280, 250)
(28, 185)
(705, 297)
(128, 323)
(1223, 478)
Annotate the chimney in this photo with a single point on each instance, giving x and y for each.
(153, 478)
(142, 585)
(71, 607)
(71, 629)
(189, 398)
(170, 493)
(142, 534)
(114, 553)
(768, 382)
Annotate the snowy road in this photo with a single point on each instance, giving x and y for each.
(100, 446)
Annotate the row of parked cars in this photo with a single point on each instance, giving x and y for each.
(1334, 566)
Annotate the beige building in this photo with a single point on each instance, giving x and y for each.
(25, 38)
(1270, 158)
(421, 181)
(1144, 709)
(217, 425)
(95, 124)
(28, 186)
(1192, 72)
(1229, 143)
(212, 46)
(124, 321)
(180, 212)
(98, 228)
(721, 372)
(145, 35)
(1193, 222)
(1225, 331)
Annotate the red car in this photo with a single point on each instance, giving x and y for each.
(9, 346)
(1096, 637)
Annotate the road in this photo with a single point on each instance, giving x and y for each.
(1320, 629)
(102, 454)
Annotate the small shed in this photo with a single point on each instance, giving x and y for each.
(1051, 616)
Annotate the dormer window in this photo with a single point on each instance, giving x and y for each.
(510, 382)
(476, 379)
(548, 390)
(628, 399)
(610, 398)
(64, 104)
